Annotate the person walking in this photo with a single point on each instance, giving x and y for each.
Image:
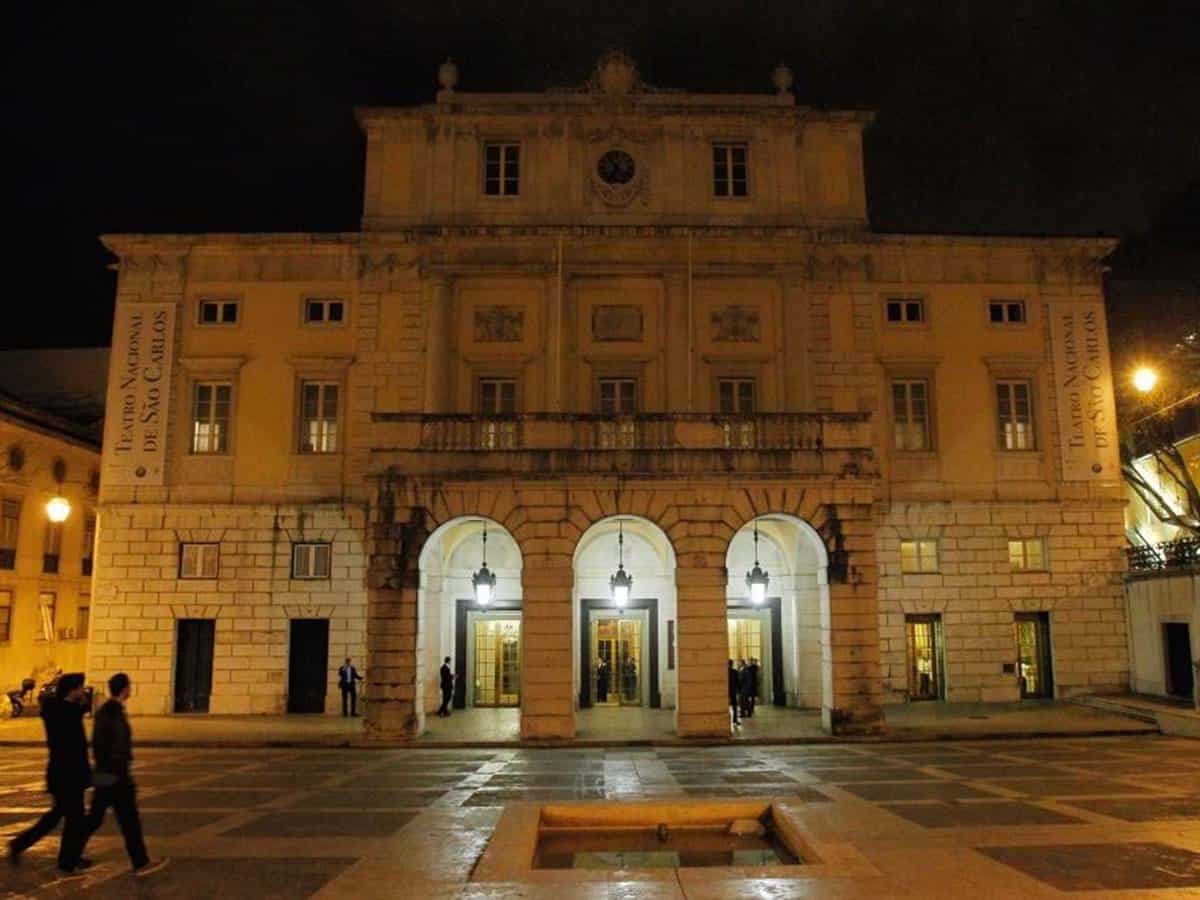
(446, 677)
(744, 687)
(734, 683)
(348, 679)
(68, 775)
(752, 699)
(112, 746)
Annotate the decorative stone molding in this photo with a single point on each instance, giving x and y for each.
(308, 612)
(736, 324)
(195, 611)
(499, 324)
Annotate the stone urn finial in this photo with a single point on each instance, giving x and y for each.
(782, 78)
(616, 73)
(448, 75)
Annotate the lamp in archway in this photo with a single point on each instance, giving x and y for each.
(757, 578)
(484, 581)
(621, 582)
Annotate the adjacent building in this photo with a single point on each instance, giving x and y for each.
(598, 334)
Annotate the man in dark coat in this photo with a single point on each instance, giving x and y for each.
(734, 687)
(446, 682)
(112, 744)
(348, 679)
(743, 671)
(752, 699)
(68, 775)
(602, 677)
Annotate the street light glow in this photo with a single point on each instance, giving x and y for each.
(58, 509)
(1144, 379)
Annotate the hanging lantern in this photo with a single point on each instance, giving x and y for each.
(621, 582)
(484, 580)
(757, 578)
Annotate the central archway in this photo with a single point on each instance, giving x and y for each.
(624, 655)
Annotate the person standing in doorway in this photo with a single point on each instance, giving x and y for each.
(112, 745)
(348, 679)
(602, 677)
(734, 682)
(446, 677)
(752, 700)
(68, 775)
(743, 672)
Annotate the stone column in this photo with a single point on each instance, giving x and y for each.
(702, 632)
(440, 342)
(675, 340)
(394, 657)
(850, 635)
(547, 695)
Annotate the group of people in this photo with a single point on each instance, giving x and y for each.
(69, 775)
(628, 683)
(743, 689)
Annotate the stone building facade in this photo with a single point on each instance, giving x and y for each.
(612, 326)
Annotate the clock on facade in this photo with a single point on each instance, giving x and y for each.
(616, 167)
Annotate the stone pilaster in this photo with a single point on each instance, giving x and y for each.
(547, 698)
(703, 695)
(439, 357)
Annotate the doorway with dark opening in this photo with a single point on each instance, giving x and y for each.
(308, 665)
(1177, 644)
(194, 642)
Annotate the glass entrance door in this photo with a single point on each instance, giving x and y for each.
(1033, 654)
(497, 662)
(746, 644)
(616, 662)
(924, 657)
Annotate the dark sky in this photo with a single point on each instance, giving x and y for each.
(1025, 116)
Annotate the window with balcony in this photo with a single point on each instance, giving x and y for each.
(319, 416)
(10, 526)
(618, 399)
(217, 312)
(910, 414)
(311, 559)
(52, 551)
(918, 557)
(89, 545)
(736, 398)
(324, 311)
(199, 559)
(730, 170)
(1006, 312)
(904, 310)
(1014, 412)
(1027, 554)
(498, 403)
(6, 605)
(501, 169)
(211, 406)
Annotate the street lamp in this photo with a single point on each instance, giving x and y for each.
(1144, 379)
(57, 509)
(757, 578)
(484, 581)
(621, 582)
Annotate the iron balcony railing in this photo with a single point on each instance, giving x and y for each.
(452, 432)
(1168, 555)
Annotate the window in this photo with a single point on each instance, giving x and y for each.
(501, 169)
(210, 417)
(735, 396)
(1015, 415)
(904, 310)
(89, 545)
(10, 524)
(1006, 312)
(83, 617)
(310, 560)
(324, 311)
(729, 170)
(618, 396)
(5, 615)
(910, 414)
(1027, 554)
(318, 417)
(918, 556)
(46, 604)
(218, 312)
(199, 560)
(498, 397)
(53, 548)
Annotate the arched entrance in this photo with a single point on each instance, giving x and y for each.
(481, 634)
(623, 651)
(784, 626)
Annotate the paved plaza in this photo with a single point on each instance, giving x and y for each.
(999, 818)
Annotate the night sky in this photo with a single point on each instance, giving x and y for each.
(1016, 117)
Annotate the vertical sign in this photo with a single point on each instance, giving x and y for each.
(139, 381)
(1087, 420)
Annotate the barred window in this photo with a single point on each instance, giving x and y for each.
(311, 560)
(199, 560)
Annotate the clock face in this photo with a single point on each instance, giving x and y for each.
(616, 167)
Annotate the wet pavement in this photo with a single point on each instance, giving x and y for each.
(1024, 818)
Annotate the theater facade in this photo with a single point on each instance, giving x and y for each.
(614, 384)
